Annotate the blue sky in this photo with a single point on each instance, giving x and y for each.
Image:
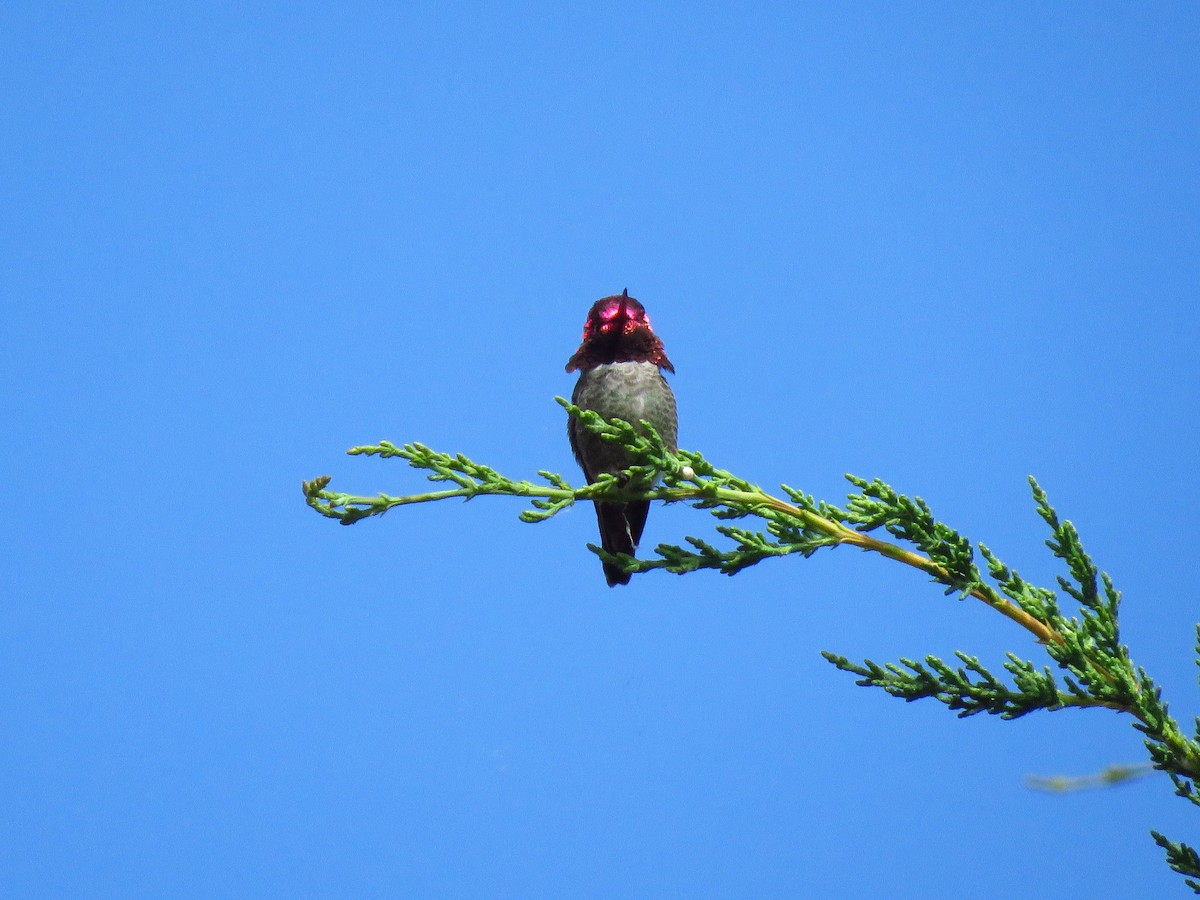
(944, 245)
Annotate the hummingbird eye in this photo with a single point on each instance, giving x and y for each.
(609, 312)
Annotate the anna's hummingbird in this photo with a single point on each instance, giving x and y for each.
(618, 363)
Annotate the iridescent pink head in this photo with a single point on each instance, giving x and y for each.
(618, 330)
(618, 314)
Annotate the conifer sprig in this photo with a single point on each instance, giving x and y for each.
(1094, 667)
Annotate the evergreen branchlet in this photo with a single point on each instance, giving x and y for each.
(1094, 668)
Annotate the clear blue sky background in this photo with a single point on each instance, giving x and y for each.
(948, 245)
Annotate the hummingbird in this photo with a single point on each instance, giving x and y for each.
(620, 365)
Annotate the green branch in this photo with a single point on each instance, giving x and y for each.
(1094, 667)
(1068, 784)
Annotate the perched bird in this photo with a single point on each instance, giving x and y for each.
(619, 365)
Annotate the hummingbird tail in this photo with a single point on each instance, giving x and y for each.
(621, 527)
